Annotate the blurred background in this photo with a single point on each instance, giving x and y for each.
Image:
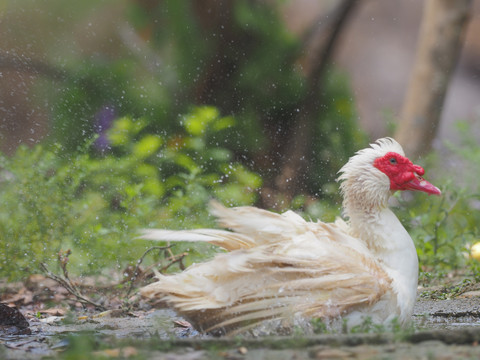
(63, 66)
(119, 114)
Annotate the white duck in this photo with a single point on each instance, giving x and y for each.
(279, 266)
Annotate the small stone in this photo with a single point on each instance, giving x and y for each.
(242, 350)
(12, 321)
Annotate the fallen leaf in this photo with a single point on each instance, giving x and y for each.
(114, 313)
(53, 311)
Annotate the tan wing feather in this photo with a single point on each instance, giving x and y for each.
(222, 238)
(252, 227)
(312, 274)
(261, 225)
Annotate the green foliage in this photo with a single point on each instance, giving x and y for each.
(442, 228)
(319, 326)
(81, 347)
(244, 62)
(337, 136)
(95, 204)
(468, 153)
(120, 85)
(366, 326)
(448, 292)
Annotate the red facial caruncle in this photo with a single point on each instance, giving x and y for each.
(403, 174)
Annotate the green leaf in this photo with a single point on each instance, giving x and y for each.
(119, 133)
(219, 154)
(224, 123)
(197, 122)
(186, 162)
(153, 187)
(147, 146)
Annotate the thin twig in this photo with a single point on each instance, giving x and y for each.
(176, 259)
(139, 262)
(71, 288)
(173, 259)
(63, 261)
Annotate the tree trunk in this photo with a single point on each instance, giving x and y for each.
(440, 40)
(292, 175)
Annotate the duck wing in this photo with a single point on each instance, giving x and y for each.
(251, 227)
(279, 267)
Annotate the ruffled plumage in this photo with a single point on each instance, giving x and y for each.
(279, 266)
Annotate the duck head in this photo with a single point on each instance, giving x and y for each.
(370, 177)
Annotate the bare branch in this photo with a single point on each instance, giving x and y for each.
(292, 173)
(71, 288)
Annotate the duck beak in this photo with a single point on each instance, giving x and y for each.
(420, 184)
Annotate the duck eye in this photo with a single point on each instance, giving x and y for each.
(393, 161)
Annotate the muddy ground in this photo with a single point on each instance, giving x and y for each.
(444, 329)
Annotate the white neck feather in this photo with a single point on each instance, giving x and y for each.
(366, 191)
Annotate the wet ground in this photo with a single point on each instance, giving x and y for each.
(444, 329)
(453, 314)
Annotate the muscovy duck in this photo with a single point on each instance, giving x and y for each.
(280, 266)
